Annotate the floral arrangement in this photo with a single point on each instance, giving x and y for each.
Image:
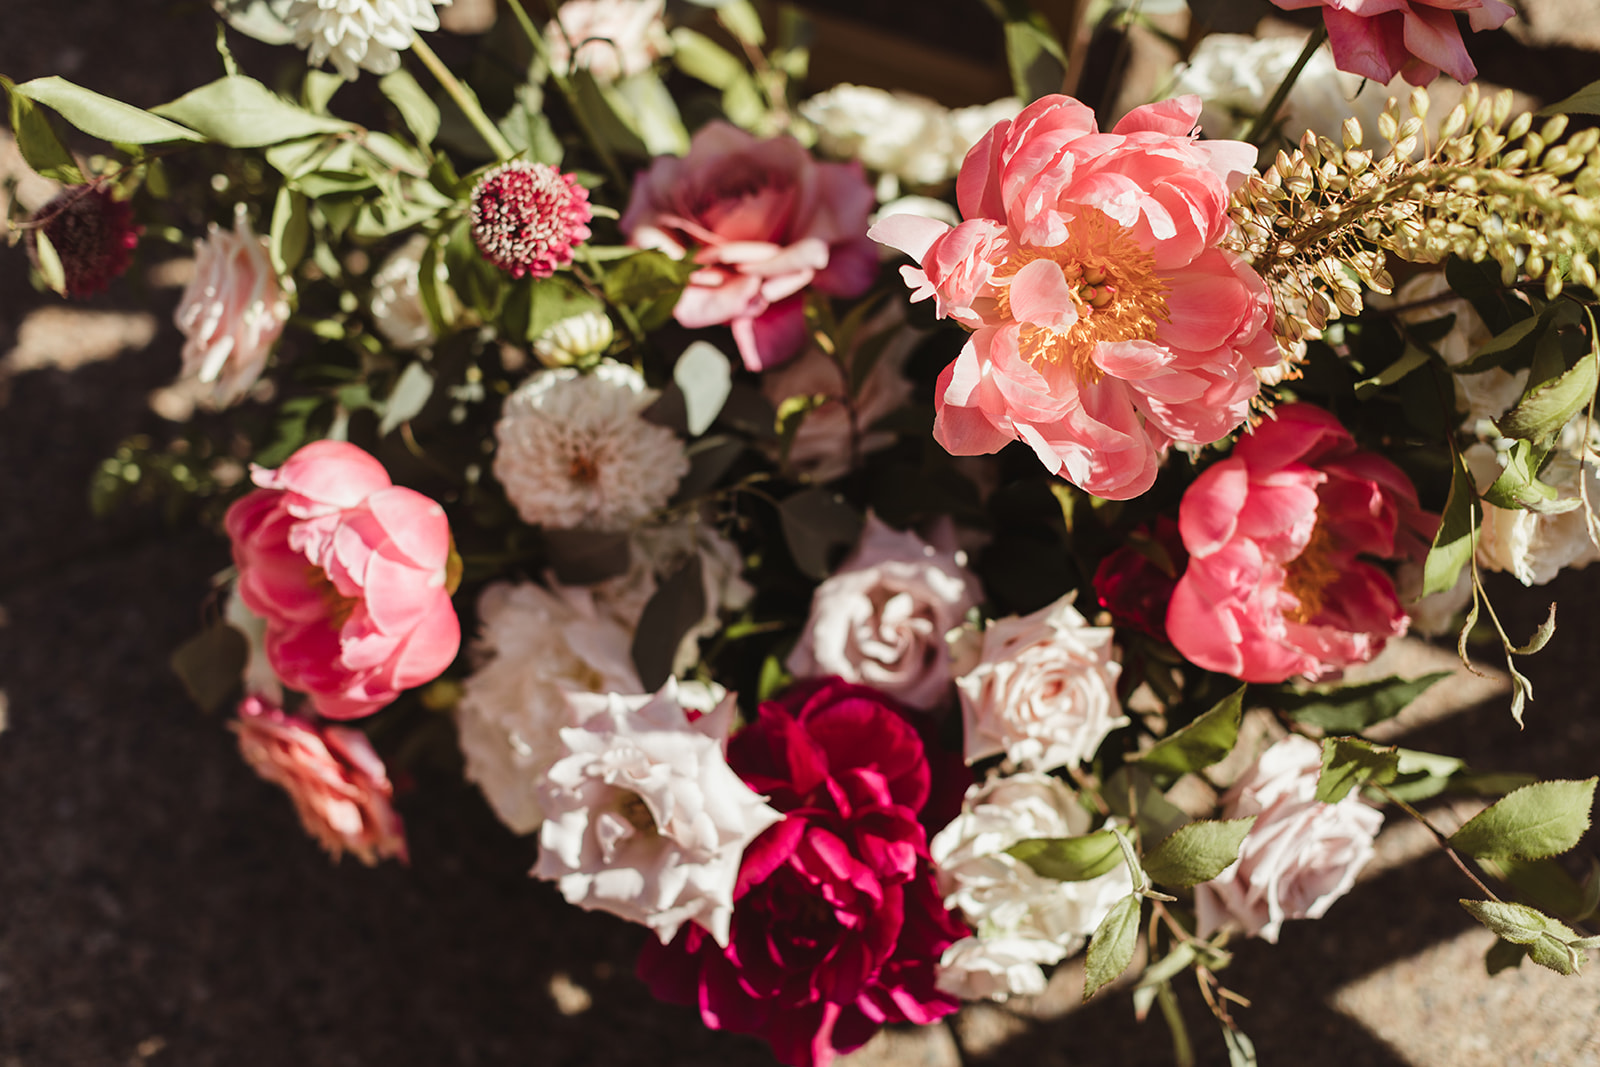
(883, 550)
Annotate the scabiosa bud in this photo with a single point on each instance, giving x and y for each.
(92, 233)
(526, 218)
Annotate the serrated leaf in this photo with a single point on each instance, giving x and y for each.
(1585, 101)
(1547, 407)
(1350, 709)
(210, 664)
(1198, 852)
(1070, 859)
(1556, 955)
(1348, 762)
(1518, 485)
(816, 523)
(1200, 744)
(679, 604)
(410, 395)
(705, 377)
(101, 116)
(1546, 885)
(416, 107)
(1112, 946)
(1453, 543)
(1541, 636)
(1539, 820)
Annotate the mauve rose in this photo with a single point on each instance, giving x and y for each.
(881, 619)
(337, 782)
(765, 222)
(1135, 582)
(1279, 537)
(1299, 857)
(1044, 691)
(351, 574)
(231, 313)
(1416, 39)
(837, 923)
(1107, 323)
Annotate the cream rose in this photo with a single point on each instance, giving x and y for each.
(1299, 857)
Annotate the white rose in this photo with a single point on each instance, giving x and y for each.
(881, 620)
(1299, 857)
(645, 819)
(397, 307)
(1020, 919)
(1531, 546)
(1044, 691)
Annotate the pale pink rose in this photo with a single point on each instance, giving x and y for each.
(613, 38)
(834, 436)
(1279, 536)
(1299, 857)
(766, 223)
(1107, 324)
(643, 816)
(881, 619)
(351, 575)
(1416, 39)
(1044, 690)
(231, 314)
(337, 782)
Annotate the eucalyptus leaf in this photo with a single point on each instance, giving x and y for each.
(1538, 820)
(410, 395)
(101, 116)
(679, 604)
(210, 664)
(816, 524)
(704, 375)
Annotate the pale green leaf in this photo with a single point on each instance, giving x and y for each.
(1538, 820)
(1112, 947)
(1200, 744)
(1198, 852)
(1070, 859)
(101, 116)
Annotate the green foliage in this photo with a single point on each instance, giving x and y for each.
(1198, 852)
(1112, 946)
(705, 378)
(678, 606)
(416, 107)
(209, 664)
(1349, 709)
(649, 284)
(818, 526)
(1535, 821)
(1348, 762)
(1071, 859)
(240, 112)
(1550, 942)
(1200, 744)
(37, 140)
(101, 116)
(1036, 59)
(1454, 542)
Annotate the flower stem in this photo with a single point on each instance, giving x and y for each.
(1257, 132)
(465, 99)
(1438, 837)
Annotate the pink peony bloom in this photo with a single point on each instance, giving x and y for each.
(1299, 857)
(351, 574)
(231, 313)
(1107, 324)
(337, 782)
(837, 923)
(1416, 39)
(528, 217)
(765, 222)
(1276, 584)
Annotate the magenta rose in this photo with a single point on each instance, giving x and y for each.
(351, 575)
(1417, 39)
(765, 222)
(337, 782)
(1281, 535)
(838, 925)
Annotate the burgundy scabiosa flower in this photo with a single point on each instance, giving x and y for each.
(528, 217)
(93, 235)
(838, 925)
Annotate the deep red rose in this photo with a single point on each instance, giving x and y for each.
(1135, 582)
(838, 924)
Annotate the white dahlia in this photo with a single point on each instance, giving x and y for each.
(574, 451)
(358, 34)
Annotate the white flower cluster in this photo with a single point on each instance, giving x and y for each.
(360, 34)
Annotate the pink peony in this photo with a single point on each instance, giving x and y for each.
(1416, 39)
(351, 574)
(337, 782)
(765, 222)
(1107, 324)
(1276, 584)
(837, 924)
(1299, 857)
(231, 313)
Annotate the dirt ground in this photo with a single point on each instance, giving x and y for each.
(160, 905)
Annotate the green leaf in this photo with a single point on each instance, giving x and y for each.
(1533, 822)
(742, 20)
(1454, 541)
(584, 557)
(50, 268)
(37, 140)
(650, 283)
(1111, 949)
(1197, 852)
(416, 107)
(774, 679)
(101, 116)
(599, 108)
(316, 92)
(1349, 709)
(1585, 101)
(257, 18)
(1547, 407)
(679, 605)
(1348, 762)
(1035, 57)
(1200, 744)
(643, 102)
(1546, 885)
(1132, 793)
(290, 230)
(1505, 343)
(705, 377)
(700, 57)
(1070, 859)
(709, 460)
(410, 395)
(1241, 1050)
(816, 523)
(210, 664)
(553, 300)
(1412, 358)
(1518, 486)
(1551, 943)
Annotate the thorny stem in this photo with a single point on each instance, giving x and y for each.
(465, 99)
(1438, 836)
(1257, 132)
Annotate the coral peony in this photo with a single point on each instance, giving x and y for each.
(1299, 857)
(92, 233)
(351, 574)
(612, 38)
(359, 34)
(1276, 586)
(337, 782)
(1107, 324)
(837, 923)
(765, 222)
(1416, 39)
(1135, 582)
(528, 217)
(231, 313)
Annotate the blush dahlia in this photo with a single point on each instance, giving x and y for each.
(528, 217)
(92, 233)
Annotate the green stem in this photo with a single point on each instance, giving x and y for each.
(1257, 132)
(465, 99)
